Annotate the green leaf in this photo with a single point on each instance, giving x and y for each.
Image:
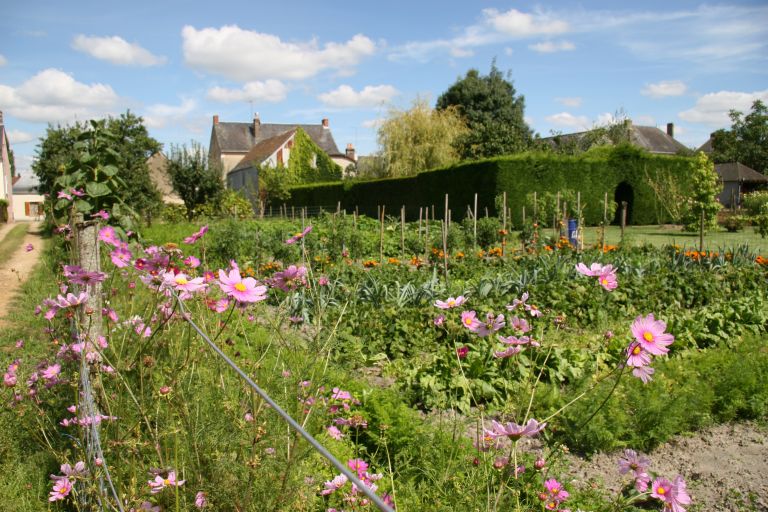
(83, 206)
(109, 170)
(95, 189)
(61, 203)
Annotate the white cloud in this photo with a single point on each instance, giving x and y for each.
(572, 102)
(665, 89)
(646, 121)
(520, 25)
(552, 46)
(3, 60)
(246, 56)
(509, 51)
(54, 96)
(569, 120)
(713, 108)
(20, 137)
(370, 96)
(116, 50)
(459, 52)
(269, 91)
(160, 115)
(372, 123)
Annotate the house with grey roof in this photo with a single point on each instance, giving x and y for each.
(738, 179)
(231, 143)
(6, 180)
(652, 139)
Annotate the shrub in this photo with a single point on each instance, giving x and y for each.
(754, 201)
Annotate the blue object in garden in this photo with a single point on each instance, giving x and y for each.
(573, 231)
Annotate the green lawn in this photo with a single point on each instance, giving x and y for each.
(11, 241)
(667, 235)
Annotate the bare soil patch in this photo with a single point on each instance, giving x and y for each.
(18, 268)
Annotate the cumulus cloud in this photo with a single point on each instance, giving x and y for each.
(370, 96)
(520, 24)
(713, 108)
(665, 89)
(116, 50)
(246, 55)
(20, 137)
(552, 46)
(572, 101)
(269, 91)
(55, 96)
(568, 120)
(161, 115)
(372, 123)
(3, 60)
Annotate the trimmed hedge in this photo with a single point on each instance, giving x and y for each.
(592, 173)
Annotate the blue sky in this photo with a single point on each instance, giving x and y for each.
(177, 63)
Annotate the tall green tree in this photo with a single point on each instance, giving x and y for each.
(128, 140)
(705, 185)
(420, 138)
(747, 140)
(193, 178)
(493, 111)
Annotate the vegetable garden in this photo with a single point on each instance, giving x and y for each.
(447, 370)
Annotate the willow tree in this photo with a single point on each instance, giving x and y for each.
(420, 138)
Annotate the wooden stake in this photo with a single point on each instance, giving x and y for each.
(402, 231)
(504, 222)
(381, 235)
(474, 223)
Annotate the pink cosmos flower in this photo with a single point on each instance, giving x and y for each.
(182, 282)
(592, 271)
(242, 290)
(462, 352)
(643, 373)
(508, 352)
(121, 257)
(518, 302)
(439, 320)
(196, 236)
(641, 482)
(84, 278)
(298, 236)
(678, 495)
(519, 324)
(357, 465)
(160, 483)
(322, 281)
(108, 235)
(192, 262)
(451, 302)
(61, 489)
(200, 500)
(555, 490)
(9, 379)
(661, 489)
(29, 248)
(491, 325)
(71, 300)
(51, 372)
(607, 278)
(469, 320)
(77, 192)
(335, 433)
(632, 461)
(290, 278)
(515, 431)
(533, 310)
(334, 485)
(637, 356)
(101, 214)
(649, 332)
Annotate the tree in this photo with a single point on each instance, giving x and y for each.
(193, 178)
(747, 140)
(128, 139)
(419, 139)
(493, 112)
(705, 187)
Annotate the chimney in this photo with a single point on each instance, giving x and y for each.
(351, 152)
(216, 119)
(671, 130)
(256, 125)
(325, 122)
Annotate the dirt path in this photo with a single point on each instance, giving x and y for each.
(17, 269)
(725, 467)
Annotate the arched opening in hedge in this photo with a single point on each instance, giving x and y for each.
(623, 193)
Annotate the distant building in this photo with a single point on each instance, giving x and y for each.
(158, 173)
(650, 138)
(6, 180)
(738, 179)
(232, 142)
(27, 200)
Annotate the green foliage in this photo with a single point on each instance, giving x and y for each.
(493, 111)
(761, 221)
(735, 223)
(754, 201)
(419, 139)
(193, 178)
(747, 140)
(130, 144)
(310, 164)
(705, 186)
(593, 174)
(274, 184)
(233, 205)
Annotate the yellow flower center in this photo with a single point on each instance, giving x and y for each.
(451, 302)
(647, 336)
(604, 281)
(63, 490)
(240, 287)
(637, 350)
(661, 491)
(181, 280)
(468, 321)
(166, 482)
